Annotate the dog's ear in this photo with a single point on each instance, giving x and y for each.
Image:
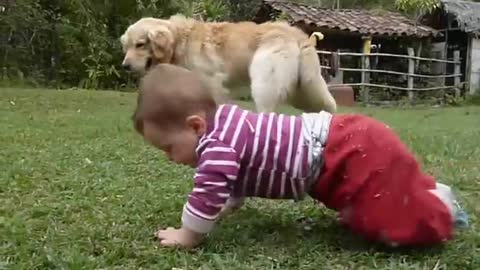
(161, 40)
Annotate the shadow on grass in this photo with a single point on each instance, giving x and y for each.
(251, 227)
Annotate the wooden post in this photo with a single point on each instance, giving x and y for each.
(446, 49)
(419, 54)
(339, 62)
(457, 70)
(367, 42)
(411, 71)
(468, 66)
(338, 79)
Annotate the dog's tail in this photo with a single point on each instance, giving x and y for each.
(313, 93)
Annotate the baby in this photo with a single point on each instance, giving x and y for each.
(351, 163)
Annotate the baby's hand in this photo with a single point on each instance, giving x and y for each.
(183, 237)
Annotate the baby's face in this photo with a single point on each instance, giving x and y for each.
(178, 143)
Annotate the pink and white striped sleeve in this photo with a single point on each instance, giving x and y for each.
(217, 170)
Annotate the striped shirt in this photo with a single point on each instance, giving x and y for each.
(246, 154)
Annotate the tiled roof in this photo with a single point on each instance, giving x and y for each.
(359, 21)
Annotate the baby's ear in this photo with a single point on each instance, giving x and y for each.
(197, 123)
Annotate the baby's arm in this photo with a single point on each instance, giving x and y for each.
(232, 204)
(217, 170)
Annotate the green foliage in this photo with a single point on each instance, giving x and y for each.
(243, 9)
(206, 10)
(75, 43)
(417, 8)
(282, 17)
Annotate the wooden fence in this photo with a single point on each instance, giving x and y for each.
(365, 72)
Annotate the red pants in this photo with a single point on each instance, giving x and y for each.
(372, 179)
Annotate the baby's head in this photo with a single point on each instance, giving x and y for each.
(173, 108)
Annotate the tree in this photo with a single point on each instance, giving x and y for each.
(417, 8)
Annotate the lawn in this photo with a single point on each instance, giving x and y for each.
(79, 189)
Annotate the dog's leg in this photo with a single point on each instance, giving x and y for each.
(313, 94)
(273, 74)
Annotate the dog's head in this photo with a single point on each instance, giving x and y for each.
(146, 43)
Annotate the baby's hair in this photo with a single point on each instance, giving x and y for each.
(168, 95)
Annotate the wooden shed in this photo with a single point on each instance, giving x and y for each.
(459, 21)
(352, 31)
(346, 28)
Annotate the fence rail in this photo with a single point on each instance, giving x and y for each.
(366, 71)
(454, 61)
(393, 87)
(396, 72)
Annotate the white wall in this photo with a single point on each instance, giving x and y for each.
(475, 66)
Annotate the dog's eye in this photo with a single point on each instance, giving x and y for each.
(139, 45)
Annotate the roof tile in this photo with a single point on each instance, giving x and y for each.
(353, 20)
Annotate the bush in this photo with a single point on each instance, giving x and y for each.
(75, 43)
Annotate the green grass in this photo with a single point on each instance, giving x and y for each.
(79, 189)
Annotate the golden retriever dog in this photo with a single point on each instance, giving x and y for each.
(278, 62)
